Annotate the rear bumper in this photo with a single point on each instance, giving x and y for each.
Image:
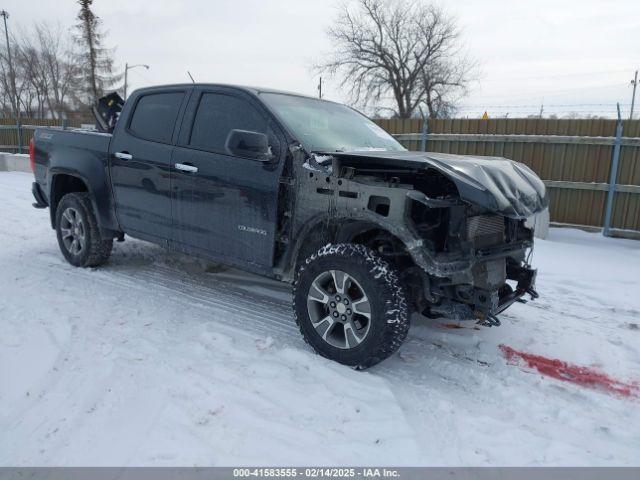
(39, 196)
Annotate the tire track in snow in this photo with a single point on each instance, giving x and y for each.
(263, 316)
(148, 281)
(59, 387)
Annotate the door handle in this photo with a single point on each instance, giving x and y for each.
(124, 156)
(185, 167)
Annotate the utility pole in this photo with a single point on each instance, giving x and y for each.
(12, 74)
(634, 82)
(126, 72)
(320, 88)
(128, 67)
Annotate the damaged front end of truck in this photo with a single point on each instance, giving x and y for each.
(455, 226)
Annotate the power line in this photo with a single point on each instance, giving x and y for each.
(558, 105)
(555, 93)
(539, 77)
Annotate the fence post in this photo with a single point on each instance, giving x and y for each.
(613, 176)
(19, 130)
(425, 132)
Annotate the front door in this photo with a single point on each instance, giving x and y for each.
(223, 204)
(140, 156)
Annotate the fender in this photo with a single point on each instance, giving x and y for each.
(95, 176)
(412, 242)
(322, 196)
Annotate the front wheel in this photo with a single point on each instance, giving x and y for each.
(78, 234)
(350, 305)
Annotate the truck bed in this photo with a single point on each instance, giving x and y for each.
(74, 137)
(74, 144)
(74, 151)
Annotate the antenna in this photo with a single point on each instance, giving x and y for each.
(191, 76)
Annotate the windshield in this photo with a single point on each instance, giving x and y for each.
(323, 126)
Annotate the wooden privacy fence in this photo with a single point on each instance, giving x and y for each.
(15, 137)
(573, 157)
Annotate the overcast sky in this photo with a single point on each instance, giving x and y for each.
(571, 55)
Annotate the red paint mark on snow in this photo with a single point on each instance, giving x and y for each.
(451, 325)
(455, 326)
(566, 372)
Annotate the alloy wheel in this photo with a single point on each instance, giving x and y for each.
(73, 231)
(339, 309)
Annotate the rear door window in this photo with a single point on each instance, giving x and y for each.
(155, 116)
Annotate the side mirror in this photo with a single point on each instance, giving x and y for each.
(254, 145)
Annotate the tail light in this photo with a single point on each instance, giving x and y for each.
(32, 155)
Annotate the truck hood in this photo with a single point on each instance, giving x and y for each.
(500, 185)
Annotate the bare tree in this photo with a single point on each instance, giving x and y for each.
(33, 79)
(24, 94)
(45, 73)
(6, 98)
(94, 59)
(58, 66)
(406, 50)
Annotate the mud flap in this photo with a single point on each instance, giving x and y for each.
(37, 194)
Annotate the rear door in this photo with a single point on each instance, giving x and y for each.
(140, 156)
(226, 205)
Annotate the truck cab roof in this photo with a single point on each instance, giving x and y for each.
(245, 88)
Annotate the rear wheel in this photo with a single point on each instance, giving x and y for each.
(78, 234)
(350, 306)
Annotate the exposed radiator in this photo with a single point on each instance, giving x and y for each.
(486, 230)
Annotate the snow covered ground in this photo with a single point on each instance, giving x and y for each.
(159, 359)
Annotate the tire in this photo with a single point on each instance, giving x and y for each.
(319, 289)
(76, 222)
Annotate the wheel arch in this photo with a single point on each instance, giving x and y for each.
(92, 249)
(325, 229)
(64, 181)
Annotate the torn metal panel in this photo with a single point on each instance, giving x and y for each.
(497, 184)
(470, 240)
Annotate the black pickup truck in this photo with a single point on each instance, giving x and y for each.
(302, 190)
